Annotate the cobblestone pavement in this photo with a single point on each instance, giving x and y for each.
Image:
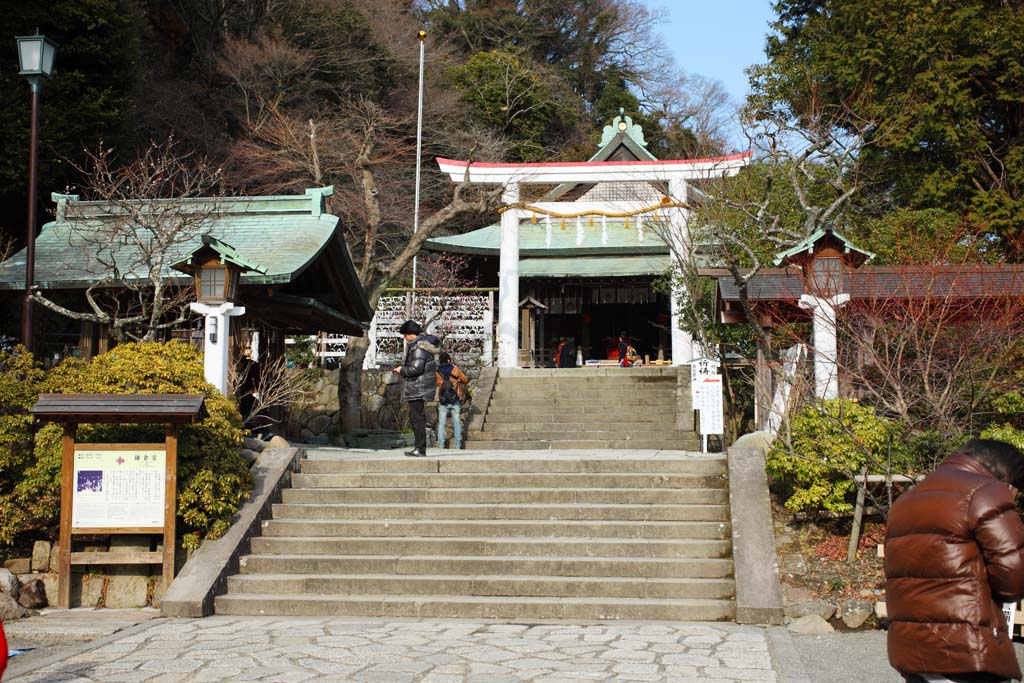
(291, 650)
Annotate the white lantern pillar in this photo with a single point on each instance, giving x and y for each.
(682, 342)
(508, 282)
(826, 366)
(215, 340)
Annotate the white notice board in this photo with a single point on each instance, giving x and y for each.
(118, 487)
(712, 415)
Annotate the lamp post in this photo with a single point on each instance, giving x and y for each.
(422, 36)
(35, 57)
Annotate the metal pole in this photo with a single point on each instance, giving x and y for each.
(419, 146)
(30, 249)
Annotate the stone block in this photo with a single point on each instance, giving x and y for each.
(158, 591)
(126, 590)
(32, 595)
(86, 590)
(254, 444)
(41, 556)
(321, 440)
(10, 609)
(249, 456)
(822, 608)
(306, 435)
(811, 625)
(135, 543)
(9, 583)
(855, 612)
(278, 442)
(54, 557)
(50, 586)
(19, 565)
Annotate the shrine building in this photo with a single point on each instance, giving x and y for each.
(580, 245)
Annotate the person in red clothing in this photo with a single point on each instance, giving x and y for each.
(3, 650)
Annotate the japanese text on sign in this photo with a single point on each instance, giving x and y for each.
(118, 488)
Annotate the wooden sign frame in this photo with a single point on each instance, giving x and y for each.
(74, 409)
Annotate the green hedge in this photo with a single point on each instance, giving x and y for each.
(213, 480)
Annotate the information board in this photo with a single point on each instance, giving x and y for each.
(712, 414)
(118, 486)
(699, 369)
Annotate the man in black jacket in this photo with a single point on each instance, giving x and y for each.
(420, 386)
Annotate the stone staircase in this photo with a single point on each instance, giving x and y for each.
(554, 538)
(585, 408)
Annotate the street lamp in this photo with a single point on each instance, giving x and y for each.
(35, 56)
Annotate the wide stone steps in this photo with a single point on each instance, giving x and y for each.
(588, 408)
(540, 586)
(494, 537)
(473, 607)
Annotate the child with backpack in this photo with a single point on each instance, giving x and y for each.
(450, 393)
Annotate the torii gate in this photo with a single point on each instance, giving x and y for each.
(676, 173)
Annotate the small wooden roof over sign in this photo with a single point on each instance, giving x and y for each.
(129, 408)
(224, 252)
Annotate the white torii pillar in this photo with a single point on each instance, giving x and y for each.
(508, 281)
(215, 340)
(682, 341)
(826, 366)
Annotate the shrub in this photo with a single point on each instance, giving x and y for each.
(213, 480)
(20, 379)
(829, 445)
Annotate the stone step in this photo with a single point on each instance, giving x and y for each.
(461, 585)
(655, 412)
(634, 497)
(510, 480)
(569, 379)
(594, 432)
(535, 420)
(483, 546)
(608, 404)
(522, 511)
(593, 394)
(689, 465)
(468, 565)
(517, 374)
(475, 607)
(492, 528)
(588, 426)
(691, 443)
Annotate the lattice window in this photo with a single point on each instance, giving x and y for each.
(642, 193)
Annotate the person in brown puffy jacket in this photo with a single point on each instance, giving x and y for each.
(954, 552)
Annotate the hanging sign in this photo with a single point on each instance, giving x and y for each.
(118, 485)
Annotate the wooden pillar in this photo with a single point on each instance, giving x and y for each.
(170, 496)
(763, 389)
(87, 341)
(67, 482)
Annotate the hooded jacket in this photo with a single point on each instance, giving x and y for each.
(954, 551)
(419, 368)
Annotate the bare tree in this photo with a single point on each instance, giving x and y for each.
(270, 384)
(144, 213)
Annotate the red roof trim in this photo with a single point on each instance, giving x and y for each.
(598, 164)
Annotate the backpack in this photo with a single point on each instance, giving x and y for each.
(449, 394)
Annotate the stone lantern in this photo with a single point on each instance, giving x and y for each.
(216, 269)
(824, 258)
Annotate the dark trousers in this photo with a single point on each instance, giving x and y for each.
(418, 420)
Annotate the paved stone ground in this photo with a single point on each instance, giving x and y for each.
(416, 651)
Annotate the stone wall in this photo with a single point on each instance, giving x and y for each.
(319, 420)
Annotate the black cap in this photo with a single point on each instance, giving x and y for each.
(410, 327)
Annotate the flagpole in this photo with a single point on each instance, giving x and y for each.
(419, 146)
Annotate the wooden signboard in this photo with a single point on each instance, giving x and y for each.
(117, 488)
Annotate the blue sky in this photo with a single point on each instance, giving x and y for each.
(716, 39)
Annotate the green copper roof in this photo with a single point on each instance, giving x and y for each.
(533, 239)
(227, 254)
(807, 245)
(283, 234)
(594, 266)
